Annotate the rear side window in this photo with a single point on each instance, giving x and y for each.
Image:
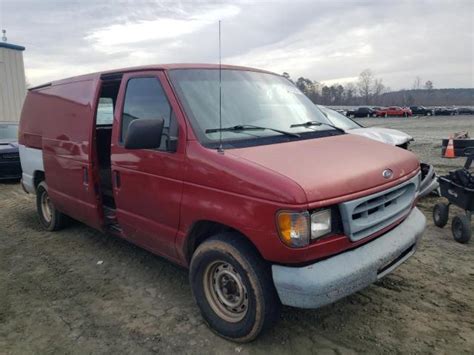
(145, 98)
(105, 111)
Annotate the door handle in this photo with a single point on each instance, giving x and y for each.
(116, 179)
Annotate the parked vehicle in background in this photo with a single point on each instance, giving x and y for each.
(266, 205)
(384, 135)
(407, 111)
(394, 137)
(361, 112)
(444, 111)
(465, 111)
(421, 110)
(10, 168)
(393, 111)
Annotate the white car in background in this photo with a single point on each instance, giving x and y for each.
(429, 182)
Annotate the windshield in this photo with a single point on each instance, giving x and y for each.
(248, 98)
(8, 131)
(338, 119)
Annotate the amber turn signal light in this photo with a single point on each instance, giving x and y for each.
(293, 228)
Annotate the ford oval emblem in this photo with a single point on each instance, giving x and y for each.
(387, 173)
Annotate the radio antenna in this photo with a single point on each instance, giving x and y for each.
(220, 149)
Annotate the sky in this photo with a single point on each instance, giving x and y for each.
(325, 41)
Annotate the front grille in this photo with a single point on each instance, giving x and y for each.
(367, 215)
(10, 156)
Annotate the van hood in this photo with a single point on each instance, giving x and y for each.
(332, 167)
(384, 135)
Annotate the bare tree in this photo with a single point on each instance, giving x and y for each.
(364, 84)
(287, 76)
(378, 89)
(305, 85)
(378, 94)
(417, 83)
(350, 93)
(326, 95)
(338, 94)
(309, 88)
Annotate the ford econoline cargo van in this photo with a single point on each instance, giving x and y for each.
(232, 173)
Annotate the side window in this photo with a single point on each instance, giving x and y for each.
(105, 111)
(145, 98)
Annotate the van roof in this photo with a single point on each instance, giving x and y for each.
(146, 68)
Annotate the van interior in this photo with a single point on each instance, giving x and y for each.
(103, 138)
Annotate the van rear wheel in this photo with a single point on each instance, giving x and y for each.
(233, 288)
(49, 216)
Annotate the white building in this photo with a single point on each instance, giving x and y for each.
(12, 81)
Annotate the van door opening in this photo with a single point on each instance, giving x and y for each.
(103, 137)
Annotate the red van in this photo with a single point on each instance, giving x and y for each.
(232, 173)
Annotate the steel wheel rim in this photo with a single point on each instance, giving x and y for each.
(225, 291)
(46, 207)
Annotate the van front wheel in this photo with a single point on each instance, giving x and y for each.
(49, 216)
(232, 286)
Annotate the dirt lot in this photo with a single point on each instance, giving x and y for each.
(79, 291)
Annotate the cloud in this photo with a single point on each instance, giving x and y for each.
(115, 37)
(327, 41)
(398, 47)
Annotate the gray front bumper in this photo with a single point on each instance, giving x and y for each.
(327, 281)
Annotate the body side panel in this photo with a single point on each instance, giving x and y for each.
(67, 130)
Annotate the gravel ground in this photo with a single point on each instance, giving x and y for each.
(79, 291)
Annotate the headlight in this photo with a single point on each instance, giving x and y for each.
(297, 229)
(320, 223)
(293, 228)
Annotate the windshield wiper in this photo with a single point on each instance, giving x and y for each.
(316, 123)
(248, 127)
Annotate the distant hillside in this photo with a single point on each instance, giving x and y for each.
(433, 97)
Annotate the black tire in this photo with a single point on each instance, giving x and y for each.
(461, 228)
(260, 307)
(440, 214)
(54, 220)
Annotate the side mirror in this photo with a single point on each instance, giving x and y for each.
(144, 133)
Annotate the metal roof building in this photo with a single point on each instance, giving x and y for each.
(12, 81)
